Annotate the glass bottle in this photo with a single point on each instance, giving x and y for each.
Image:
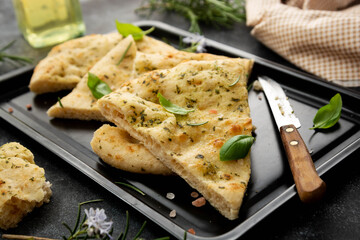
(48, 22)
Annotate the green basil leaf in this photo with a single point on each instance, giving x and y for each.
(196, 124)
(328, 115)
(170, 107)
(236, 147)
(97, 87)
(126, 29)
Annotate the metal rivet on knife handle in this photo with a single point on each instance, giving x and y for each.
(289, 130)
(294, 143)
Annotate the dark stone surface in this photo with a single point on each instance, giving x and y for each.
(335, 217)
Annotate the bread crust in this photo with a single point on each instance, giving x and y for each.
(118, 149)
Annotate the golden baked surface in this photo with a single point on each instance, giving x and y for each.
(143, 56)
(22, 184)
(191, 151)
(68, 62)
(80, 103)
(117, 148)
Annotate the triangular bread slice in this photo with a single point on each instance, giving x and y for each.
(189, 145)
(117, 148)
(80, 104)
(68, 62)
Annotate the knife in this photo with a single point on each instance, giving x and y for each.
(309, 185)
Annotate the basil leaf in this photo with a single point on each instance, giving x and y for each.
(236, 147)
(196, 124)
(126, 29)
(97, 87)
(170, 107)
(328, 115)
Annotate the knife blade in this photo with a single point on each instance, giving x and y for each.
(309, 185)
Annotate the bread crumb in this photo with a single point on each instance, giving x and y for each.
(10, 110)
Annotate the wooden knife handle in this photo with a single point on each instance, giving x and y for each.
(309, 185)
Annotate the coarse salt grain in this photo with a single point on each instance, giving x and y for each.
(170, 196)
(257, 86)
(172, 214)
(199, 202)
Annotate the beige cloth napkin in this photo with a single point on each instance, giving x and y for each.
(319, 36)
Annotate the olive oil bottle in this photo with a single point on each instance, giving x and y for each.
(48, 22)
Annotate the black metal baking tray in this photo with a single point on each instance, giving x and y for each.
(271, 183)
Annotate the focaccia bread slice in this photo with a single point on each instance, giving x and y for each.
(15, 149)
(117, 148)
(189, 145)
(22, 184)
(80, 104)
(68, 62)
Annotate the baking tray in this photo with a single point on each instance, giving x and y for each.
(271, 183)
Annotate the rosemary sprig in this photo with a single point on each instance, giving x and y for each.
(93, 226)
(212, 12)
(4, 56)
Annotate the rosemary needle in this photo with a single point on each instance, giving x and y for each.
(123, 56)
(132, 187)
(4, 56)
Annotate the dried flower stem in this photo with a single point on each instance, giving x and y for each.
(23, 237)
